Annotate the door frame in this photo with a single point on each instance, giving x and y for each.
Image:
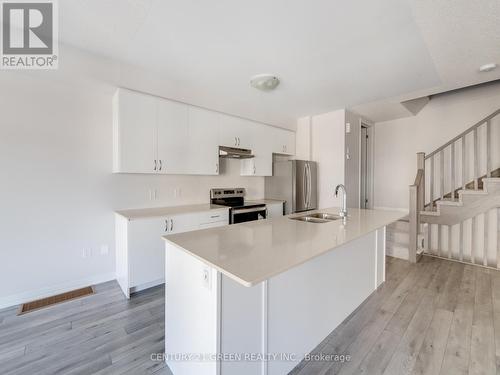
(370, 129)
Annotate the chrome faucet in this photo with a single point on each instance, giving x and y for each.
(343, 211)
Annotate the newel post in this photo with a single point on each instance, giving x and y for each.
(417, 202)
(421, 195)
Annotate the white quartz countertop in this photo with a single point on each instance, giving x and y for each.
(255, 251)
(141, 213)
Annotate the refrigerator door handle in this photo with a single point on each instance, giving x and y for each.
(304, 186)
(309, 188)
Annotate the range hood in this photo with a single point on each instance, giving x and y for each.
(234, 153)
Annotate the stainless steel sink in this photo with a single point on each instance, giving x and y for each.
(318, 217)
(325, 216)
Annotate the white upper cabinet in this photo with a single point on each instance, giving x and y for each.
(134, 132)
(155, 135)
(284, 142)
(173, 136)
(203, 140)
(235, 132)
(262, 162)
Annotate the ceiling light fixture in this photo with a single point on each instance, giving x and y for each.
(264, 82)
(487, 67)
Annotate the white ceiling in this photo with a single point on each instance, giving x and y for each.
(329, 54)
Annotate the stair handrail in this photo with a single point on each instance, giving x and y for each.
(464, 133)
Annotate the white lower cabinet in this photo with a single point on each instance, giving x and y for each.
(140, 249)
(274, 209)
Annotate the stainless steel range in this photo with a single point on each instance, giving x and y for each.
(240, 210)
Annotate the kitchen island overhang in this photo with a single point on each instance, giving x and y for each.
(267, 291)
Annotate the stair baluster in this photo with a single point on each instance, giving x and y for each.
(452, 157)
(464, 164)
(488, 148)
(476, 161)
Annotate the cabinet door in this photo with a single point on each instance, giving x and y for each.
(134, 128)
(262, 162)
(289, 142)
(146, 251)
(284, 142)
(274, 210)
(235, 132)
(173, 137)
(203, 151)
(260, 165)
(181, 223)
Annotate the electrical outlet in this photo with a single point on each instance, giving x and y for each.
(104, 249)
(206, 278)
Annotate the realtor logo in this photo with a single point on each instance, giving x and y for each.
(29, 34)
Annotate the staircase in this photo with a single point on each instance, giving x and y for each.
(398, 238)
(455, 199)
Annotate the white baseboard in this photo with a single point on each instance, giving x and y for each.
(32, 295)
(145, 286)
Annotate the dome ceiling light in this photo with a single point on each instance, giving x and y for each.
(487, 67)
(264, 82)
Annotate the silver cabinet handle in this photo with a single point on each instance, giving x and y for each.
(171, 225)
(239, 141)
(236, 141)
(254, 170)
(160, 165)
(155, 166)
(166, 225)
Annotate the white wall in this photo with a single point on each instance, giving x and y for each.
(327, 139)
(398, 141)
(57, 193)
(303, 139)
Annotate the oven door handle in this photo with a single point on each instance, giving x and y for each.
(248, 210)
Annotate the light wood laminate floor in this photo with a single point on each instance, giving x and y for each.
(99, 334)
(435, 317)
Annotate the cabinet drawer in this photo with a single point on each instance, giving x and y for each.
(213, 216)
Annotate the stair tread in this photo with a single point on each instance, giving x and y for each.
(473, 192)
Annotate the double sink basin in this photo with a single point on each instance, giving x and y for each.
(318, 217)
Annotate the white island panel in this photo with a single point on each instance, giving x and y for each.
(290, 313)
(308, 302)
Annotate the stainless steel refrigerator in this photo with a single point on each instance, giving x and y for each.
(295, 182)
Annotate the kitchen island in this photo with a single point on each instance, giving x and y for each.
(254, 298)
